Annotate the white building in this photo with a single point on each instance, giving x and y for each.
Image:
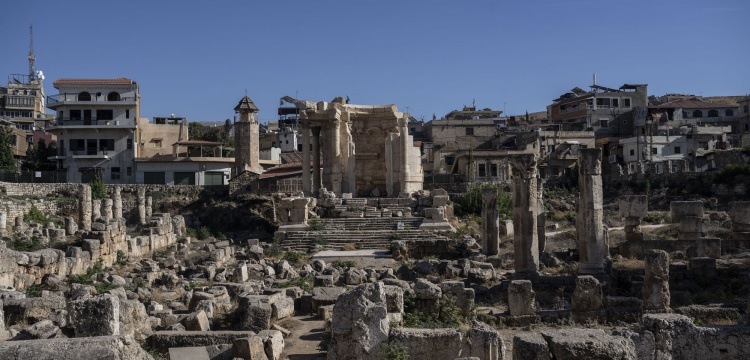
(95, 127)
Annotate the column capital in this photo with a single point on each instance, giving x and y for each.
(524, 164)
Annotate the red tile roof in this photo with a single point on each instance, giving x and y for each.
(118, 81)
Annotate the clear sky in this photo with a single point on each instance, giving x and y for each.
(196, 58)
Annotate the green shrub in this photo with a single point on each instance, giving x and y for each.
(191, 232)
(344, 263)
(34, 215)
(316, 225)
(98, 190)
(122, 259)
(85, 278)
(294, 257)
(203, 233)
(274, 250)
(471, 201)
(320, 240)
(447, 316)
(305, 284)
(34, 290)
(397, 352)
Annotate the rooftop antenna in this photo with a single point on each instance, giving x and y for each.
(32, 73)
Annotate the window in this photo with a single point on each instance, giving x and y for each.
(127, 113)
(30, 139)
(449, 160)
(184, 178)
(299, 147)
(713, 113)
(113, 96)
(632, 152)
(104, 115)
(626, 102)
(84, 96)
(654, 151)
(107, 144)
(273, 144)
(469, 131)
(481, 171)
(604, 102)
(75, 115)
(604, 123)
(153, 177)
(77, 144)
(493, 170)
(551, 148)
(697, 114)
(615, 103)
(157, 143)
(129, 171)
(115, 173)
(677, 150)
(729, 112)
(130, 144)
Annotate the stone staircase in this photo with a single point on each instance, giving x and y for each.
(363, 233)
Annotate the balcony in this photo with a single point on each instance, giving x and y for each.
(19, 102)
(91, 153)
(72, 99)
(93, 122)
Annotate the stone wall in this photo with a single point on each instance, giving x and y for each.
(15, 208)
(71, 189)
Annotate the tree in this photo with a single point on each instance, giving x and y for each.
(37, 156)
(7, 143)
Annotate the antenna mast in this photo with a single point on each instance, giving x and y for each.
(32, 73)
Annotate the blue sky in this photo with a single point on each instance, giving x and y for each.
(197, 58)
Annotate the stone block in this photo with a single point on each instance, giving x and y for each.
(359, 325)
(189, 353)
(680, 209)
(530, 346)
(250, 348)
(325, 296)
(570, 344)
(100, 347)
(96, 316)
(587, 295)
(656, 284)
(197, 321)
(273, 343)
(633, 206)
(521, 298)
(428, 343)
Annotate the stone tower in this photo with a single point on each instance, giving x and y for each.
(246, 138)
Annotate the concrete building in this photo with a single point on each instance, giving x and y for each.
(744, 120)
(609, 113)
(96, 122)
(695, 111)
(189, 163)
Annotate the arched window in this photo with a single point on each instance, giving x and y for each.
(84, 96)
(713, 113)
(729, 112)
(697, 114)
(113, 96)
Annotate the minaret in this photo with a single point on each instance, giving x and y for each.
(246, 138)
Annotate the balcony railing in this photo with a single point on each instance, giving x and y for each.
(72, 121)
(92, 152)
(22, 102)
(59, 99)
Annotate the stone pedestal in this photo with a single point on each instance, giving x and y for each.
(633, 208)
(592, 246)
(525, 238)
(656, 284)
(84, 208)
(521, 298)
(490, 219)
(587, 299)
(294, 213)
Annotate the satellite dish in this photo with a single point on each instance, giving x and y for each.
(40, 75)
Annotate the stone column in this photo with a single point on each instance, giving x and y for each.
(336, 156)
(656, 284)
(149, 208)
(306, 184)
(107, 209)
(541, 218)
(141, 199)
(316, 161)
(490, 222)
(389, 163)
(689, 214)
(403, 125)
(3, 223)
(117, 201)
(96, 209)
(739, 212)
(525, 238)
(590, 219)
(84, 208)
(633, 208)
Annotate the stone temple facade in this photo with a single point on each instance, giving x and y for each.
(363, 150)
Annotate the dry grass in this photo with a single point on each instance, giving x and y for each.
(349, 247)
(628, 263)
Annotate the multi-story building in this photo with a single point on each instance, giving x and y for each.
(609, 113)
(744, 120)
(695, 111)
(96, 128)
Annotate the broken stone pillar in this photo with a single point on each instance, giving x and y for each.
(149, 208)
(633, 208)
(521, 298)
(84, 208)
(359, 325)
(117, 201)
(107, 209)
(587, 298)
(541, 218)
(739, 213)
(689, 214)
(490, 222)
(141, 199)
(19, 225)
(592, 246)
(656, 283)
(96, 209)
(70, 225)
(525, 211)
(3, 223)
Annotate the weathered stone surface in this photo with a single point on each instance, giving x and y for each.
(521, 298)
(134, 319)
(490, 221)
(530, 346)
(656, 284)
(588, 294)
(359, 327)
(44, 329)
(98, 347)
(255, 312)
(250, 348)
(31, 310)
(189, 353)
(483, 342)
(525, 213)
(163, 340)
(633, 206)
(676, 337)
(437, 344)
(197, 321)
(573, 344)
(96, 316)
(592, 247)
(325, 296)
(273, 343)
(425, 290)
